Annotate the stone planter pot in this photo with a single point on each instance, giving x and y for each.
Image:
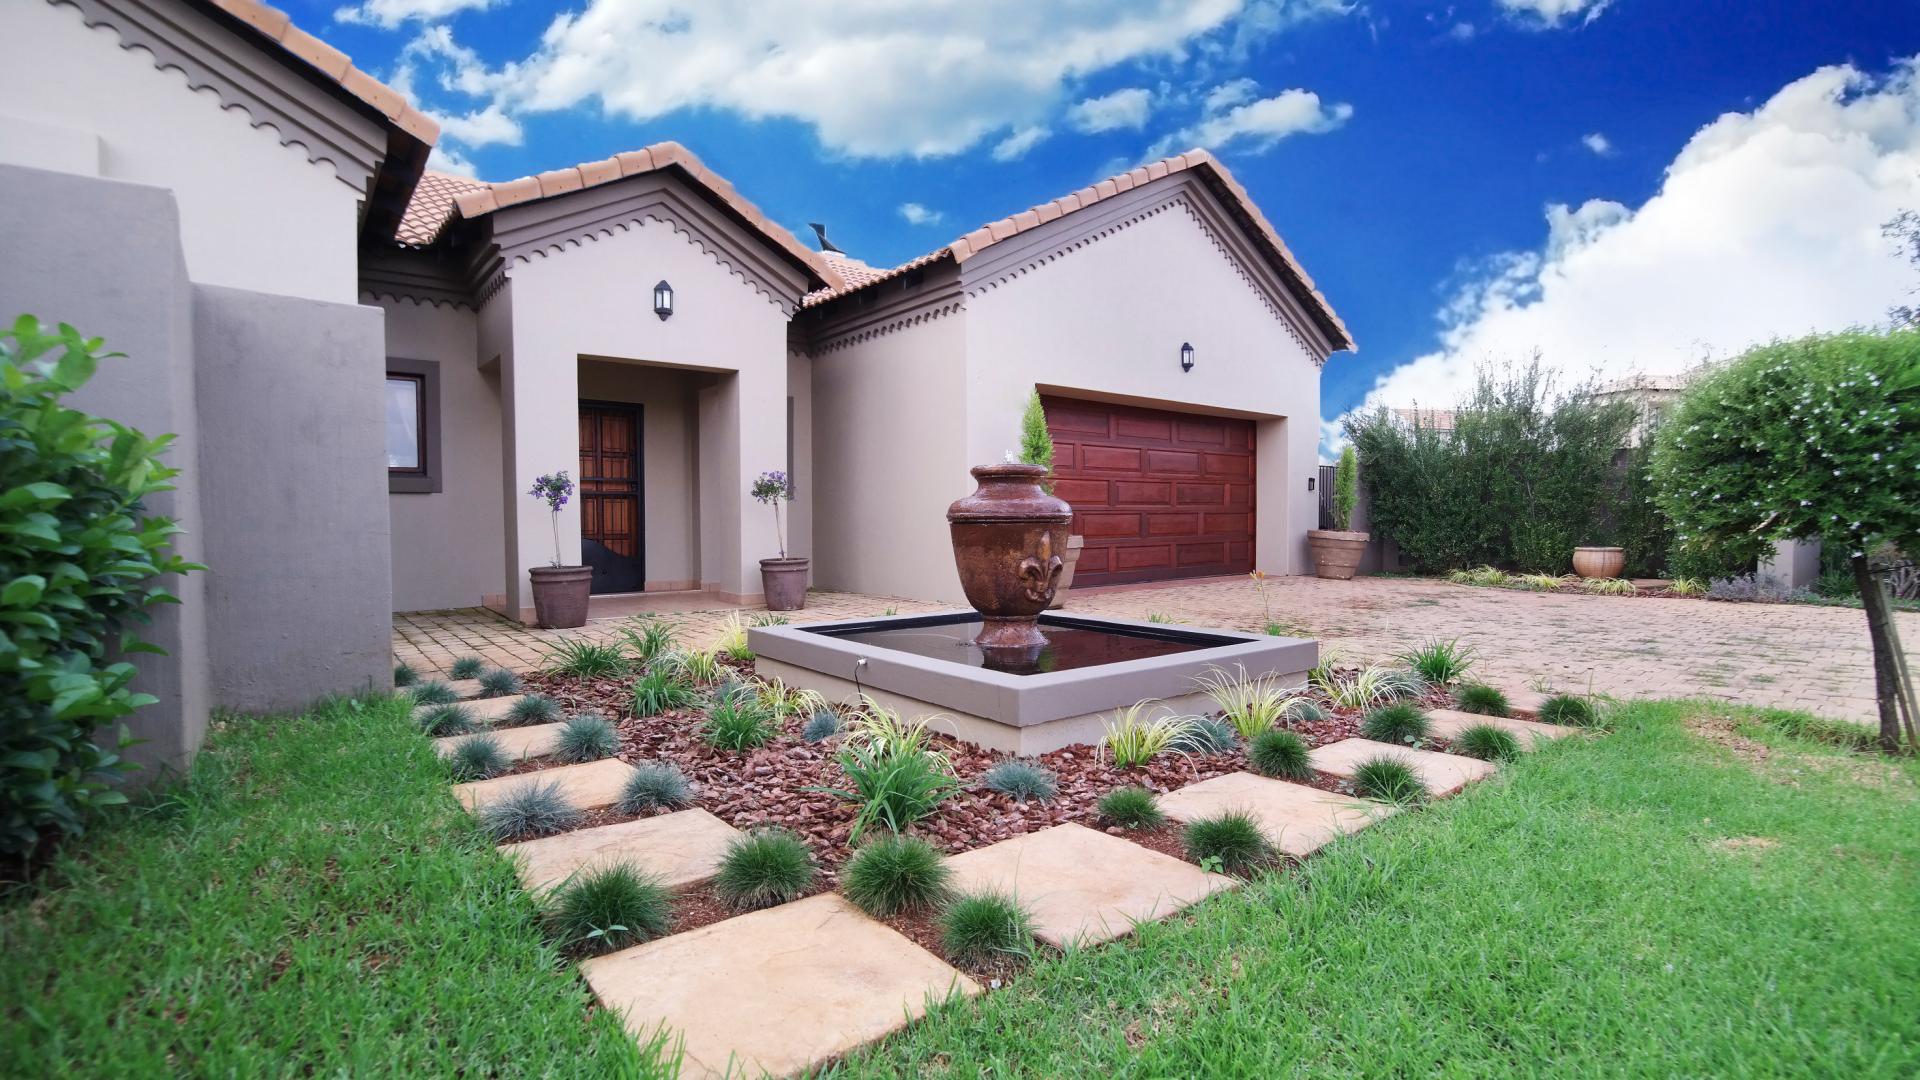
(1074, 544)
(1599, 562)
(1009, 544)
(785, 583)
(1336, 554)
(560, 595)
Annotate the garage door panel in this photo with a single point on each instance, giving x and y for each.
(1173, 524)
(1225, 525)
(1064, 414)
(1201, 432)
(1200, 495)
(1142, 493)
(1153, 427)
(1227, 465)
(1107, 526)
(1080, 493)
(1110, 458)
(1138, 557)
(1204, 554)
(1183, 462)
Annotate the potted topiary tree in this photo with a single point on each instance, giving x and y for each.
(560, 593)
(783, 580)
(1036, 448)
(1336, 552)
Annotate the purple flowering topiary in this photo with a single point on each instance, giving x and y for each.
(554, 489)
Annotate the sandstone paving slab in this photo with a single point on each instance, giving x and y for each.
(1443, 774)
(516, 742)
(681, 848)
(1295, 818)
(485, 710)
(775, 991)
(1081, 886)
(1449, 723)
(587, 787)
(467, 689)
(1525, 703)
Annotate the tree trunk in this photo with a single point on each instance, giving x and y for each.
(1889, 688)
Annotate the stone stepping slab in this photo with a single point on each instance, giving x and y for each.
(1296, 819)
(1083, 887)
(485, 710)
(1525, 703)
(775, 991)
(1449, 723)
(681, 848)
(518, 742)
(587, 787)
(1442, 774)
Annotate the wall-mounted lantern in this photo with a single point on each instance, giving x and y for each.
(1186, 356)
(1309, 483)
(663, 300)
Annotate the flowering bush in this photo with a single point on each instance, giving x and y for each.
(554, 489)
(773, 488)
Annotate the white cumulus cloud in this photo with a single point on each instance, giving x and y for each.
(1553, 13)
(391, 13)
(1768, 224)
(1598, 143)
(1234, 116)
(916, 214)
(1016, 145)
(1127, 109)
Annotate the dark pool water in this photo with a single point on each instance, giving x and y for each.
(1069, 646)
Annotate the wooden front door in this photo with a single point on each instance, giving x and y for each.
(1156, 494)
(610, 534)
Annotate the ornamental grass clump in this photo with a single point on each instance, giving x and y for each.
(784, 701)
(1229, 843)
(1206, 735)
(664, 688)
(1372, 685)
(1396, 723)
(696, 665)
(648, 637)
(1022, 781)
(1569, 710)
(894, 784)
(1251, 705)
(763, 868)
(586, 737)
(532, 709)
(1611, 587)
(1390, 780)
(739, 722)
(891, 874)
(1440, 663)
(467, 667)
(607, 908)
(655, 786)
(1280, 754)
(1486, 742)
(824, 724)
(532, 809)
(981, 928)
(432, 692)
(477, 758)
(1538, 582)
(1132, 740)
(1481, 698)
(1131, 808)
(584, 659)
(440, 720)
(404, 676)
(732, 642)
(498, 682)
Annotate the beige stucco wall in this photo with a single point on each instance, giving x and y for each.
(800, 464)
(447, 545)
(1107, 319)
(670, 473)
(254, 214)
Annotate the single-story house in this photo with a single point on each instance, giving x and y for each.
(369, 363)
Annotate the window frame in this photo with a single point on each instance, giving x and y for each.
(426, 479)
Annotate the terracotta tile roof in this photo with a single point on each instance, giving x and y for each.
(484, 198)
(992, 233)
(432, 206)
(275, 26)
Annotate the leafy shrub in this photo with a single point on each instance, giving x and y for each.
(82, 565)
(586, 737)
(739, 722)
(1396, 723)
(498, 682)
(1346, 487)
(1486, 742)
(1481, 698)
(648, 637)
(763, 868)
(529, 810)
(824, 724)
(1610, 587)
(441, 720)
(1229, 843)
(1132, 740)
(477, 758)
(1250, 705)
(1569, 710)
(1206, 735)
(1440, 663)
(1021, 781)
(1279, 753)
(1752, 588)
(432, 692)
(585, 659)
(1389, 780)
(890, 874)
(1036, 442)
(655, 785)
(983, 927)
(532, 709)
(608, 908)
(1131, 808)
(663, 688)
(895, 783)
(467, 667)
(404, 676)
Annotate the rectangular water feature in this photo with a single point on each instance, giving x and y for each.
(928, 666)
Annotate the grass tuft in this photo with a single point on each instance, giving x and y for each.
(1022, 781)
(532, 709)
(1206, 735)
(763, 868)
(1279, 754)
(1251, 705)
(606, 908)
(739, 722)
(1226, 843)
(1569, 710)
(1486, 742)
(824, 724)
(1611, 587)
(664, 688)
(654, 786)
(532, 809)
(432, 692)
(694, 665)
(498, 682)
(1132, 808)
(477, 758)
(467, 667)
(443, 720)
(585, 659)
(1397, 723)
(586, 737)
(732, 642)
(1438, 662)
(1481, 698)
(1389, 780)
(1133, 740)
(891, 874)
(983, 927)
(648, 637)
(404, 676)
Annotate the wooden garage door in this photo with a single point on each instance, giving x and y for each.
(1156, 494)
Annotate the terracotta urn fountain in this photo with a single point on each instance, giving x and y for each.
(1009, 537)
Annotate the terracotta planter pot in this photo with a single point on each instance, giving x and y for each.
(560, 595)
(785, 583)
(1336, 554)
(1009, 543)
(1599, 562)
(1074, 544)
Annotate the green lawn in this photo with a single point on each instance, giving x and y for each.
(311, 902)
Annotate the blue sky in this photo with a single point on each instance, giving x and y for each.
(1412, 154)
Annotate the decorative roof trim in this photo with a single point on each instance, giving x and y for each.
(924, 314)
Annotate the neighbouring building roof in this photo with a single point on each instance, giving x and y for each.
(1437, 419)
(987, 235)
(1637, 383)
(441, 197)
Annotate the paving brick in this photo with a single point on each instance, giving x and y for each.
(681, 848)
(1443, 774)
(1297, 819)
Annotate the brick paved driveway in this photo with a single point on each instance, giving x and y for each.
(1793, 656)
